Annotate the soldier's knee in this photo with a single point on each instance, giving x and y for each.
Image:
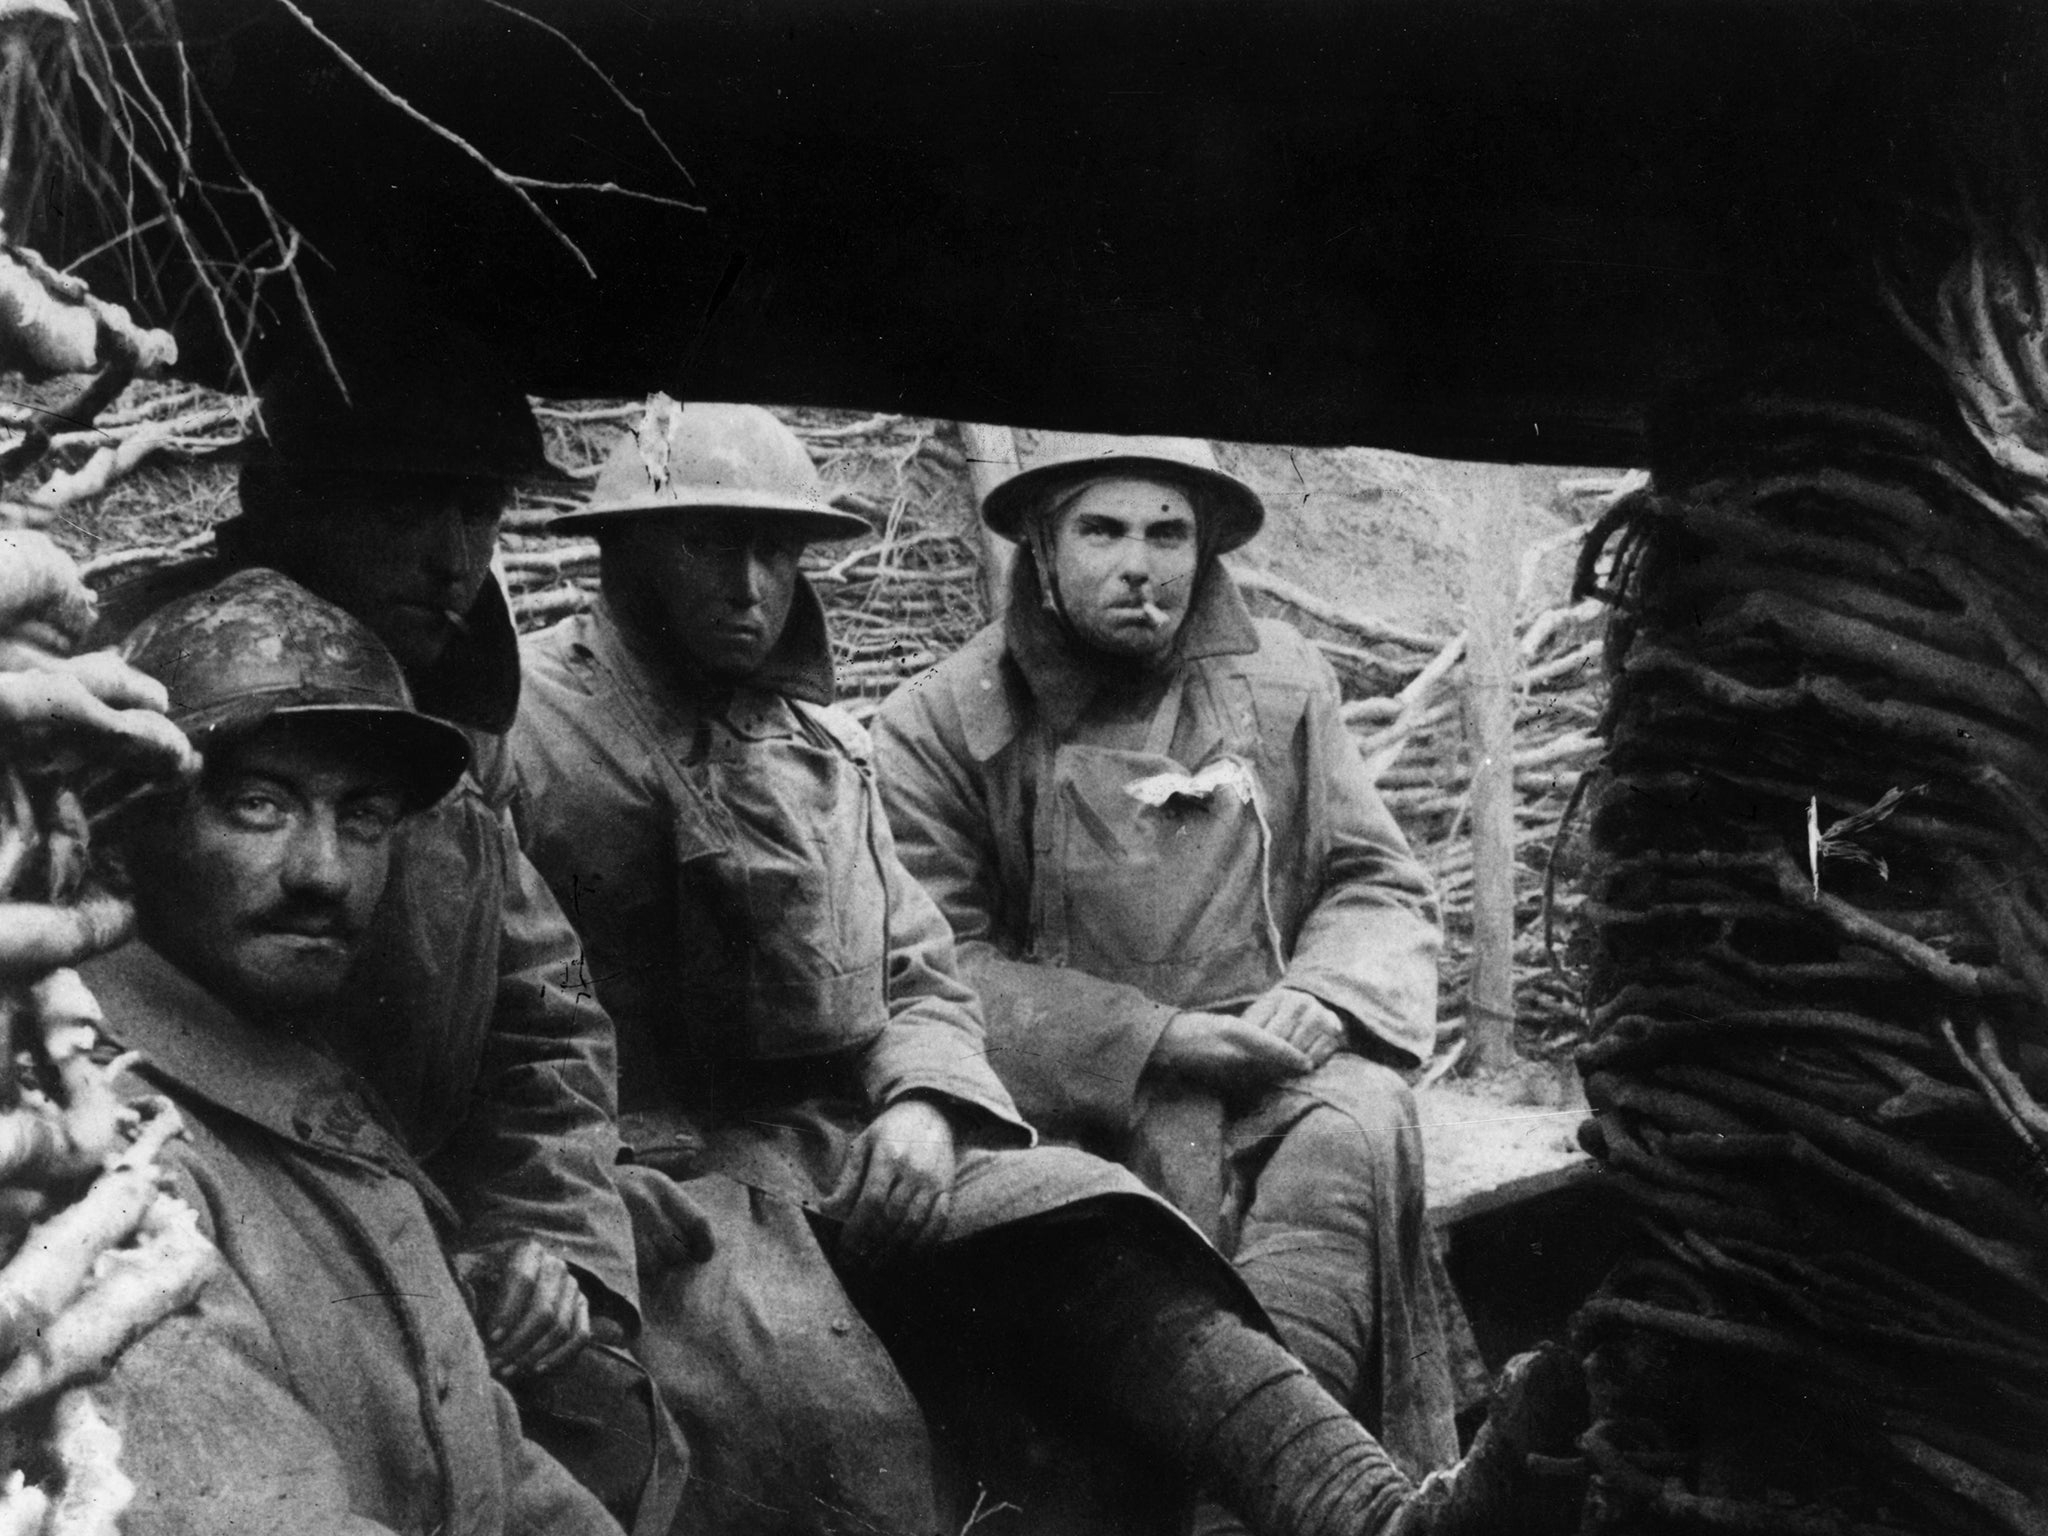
(1375, 1104)
(1330, 1146)
(1321, 1167)
(1356, 1155)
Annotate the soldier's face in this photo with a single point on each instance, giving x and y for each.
(406, 554)
(721, 587)
(262, 882)
(1125, 559)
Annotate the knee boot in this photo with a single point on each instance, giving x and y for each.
(1163, 1353)
(1334, 1242)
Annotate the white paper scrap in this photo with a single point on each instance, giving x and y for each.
(1225, 774)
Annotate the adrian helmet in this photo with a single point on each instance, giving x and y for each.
(257, 647)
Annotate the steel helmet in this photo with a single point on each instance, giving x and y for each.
(258, 647)
(703, 458)
(1064, 458)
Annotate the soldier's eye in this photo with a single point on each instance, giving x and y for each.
(711, 546)
(257, 810)
(371, 821)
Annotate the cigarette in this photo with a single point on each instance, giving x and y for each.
(1154, 614)
(456, 621)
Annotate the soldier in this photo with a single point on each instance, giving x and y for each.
(1202, 943)
(792, 1018)
(462, 1010)
(330, 1379)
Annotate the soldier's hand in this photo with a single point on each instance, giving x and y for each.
(1307, 1023)
(48, 696)
(50, 702)
(897, 1184)
(1225, 1053)
(529, 1308)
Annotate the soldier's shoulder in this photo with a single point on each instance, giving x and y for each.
(1285, 658)
(970, 697)
(1282, 645)
(550, 649)
(556, 671)
(848, 733)
(960, 677)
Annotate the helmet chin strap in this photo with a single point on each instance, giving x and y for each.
(1041, 532)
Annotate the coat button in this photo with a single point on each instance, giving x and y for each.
(841, 1327)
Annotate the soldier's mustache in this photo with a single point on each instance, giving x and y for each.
(310, 920)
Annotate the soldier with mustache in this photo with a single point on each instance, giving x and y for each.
(382, 489)
(329, 1379)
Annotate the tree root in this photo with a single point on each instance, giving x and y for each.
(41, 1146)
(134, 1290)
(1984, 1203)
(36, 938)
(24, 1508)
(2014, 1510)
(95, 1492)
(53, 1266)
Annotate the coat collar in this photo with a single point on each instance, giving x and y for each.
(192, 1042)
(476, 681)
(1064, 677)
(799, 667)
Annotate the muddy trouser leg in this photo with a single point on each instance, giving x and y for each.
(797, 1421)
(1333, 1240)
(1107, 1309)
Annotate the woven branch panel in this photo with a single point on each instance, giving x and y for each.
(1821, 908)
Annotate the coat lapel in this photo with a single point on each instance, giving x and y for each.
(195, 1045)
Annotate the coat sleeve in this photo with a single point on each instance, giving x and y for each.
(1367, 942)
(534, 1158)
(934, 1042)
(1070, 1048)
(211, 1436)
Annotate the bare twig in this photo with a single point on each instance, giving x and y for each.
(515, 185)
(611, 85)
